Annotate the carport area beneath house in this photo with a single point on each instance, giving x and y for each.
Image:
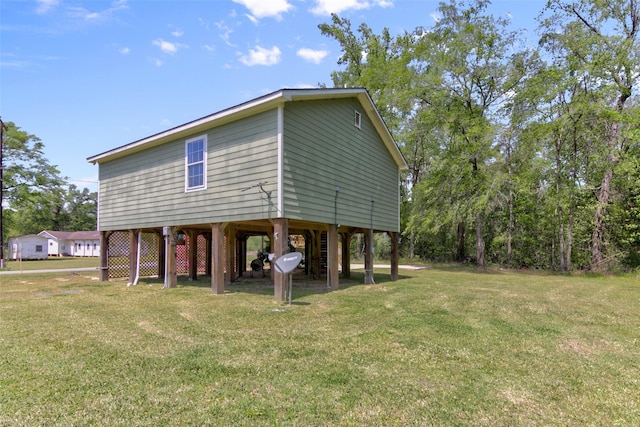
(222, 252)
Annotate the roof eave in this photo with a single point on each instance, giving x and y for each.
(254, 106)
(224, 116)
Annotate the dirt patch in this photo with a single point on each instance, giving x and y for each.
(573, 345)
(514, 396)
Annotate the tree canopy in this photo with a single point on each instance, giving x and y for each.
(534, 149)
(35, 196)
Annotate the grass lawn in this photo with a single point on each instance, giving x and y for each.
(52, 263)
(441, 346)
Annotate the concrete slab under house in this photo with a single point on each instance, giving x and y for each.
(306, 168)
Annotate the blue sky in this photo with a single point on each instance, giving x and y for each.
(89, 76)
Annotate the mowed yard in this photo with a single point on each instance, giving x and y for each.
(441, 346)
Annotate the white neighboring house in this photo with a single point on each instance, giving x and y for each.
(72, 243)
(30, 246)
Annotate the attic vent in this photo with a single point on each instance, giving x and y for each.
(357, 118)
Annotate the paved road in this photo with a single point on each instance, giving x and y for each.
(59, 270)
(401, 267)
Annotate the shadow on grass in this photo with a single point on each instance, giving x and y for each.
(303, 285)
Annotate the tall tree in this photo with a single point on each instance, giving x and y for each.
(600, 40)
(29, 181)
(36, 196)
(467, 72)
(81, 208)
(441, 91)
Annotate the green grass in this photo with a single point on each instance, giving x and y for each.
(52, 263)
(442, 346)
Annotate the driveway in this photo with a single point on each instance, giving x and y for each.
(59, 270)
(402, 267)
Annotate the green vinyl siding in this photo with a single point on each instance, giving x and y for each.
(147, 188)
(323, 149)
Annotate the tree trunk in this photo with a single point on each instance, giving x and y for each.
(461, 253)
(570, 234)
(510, 228)
(561, 241)
(597, 237)
(412, 245)
(480, 242)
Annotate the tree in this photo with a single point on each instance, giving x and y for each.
(81, 209)
(36, 196)
(599, 40)
(535, 151)
(467, 71)
(29, 180)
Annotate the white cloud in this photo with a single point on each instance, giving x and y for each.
(157, 62)
(44, 6)
(82, 13)
(327, 7)
(167, 47)
(17, 64)
(177, 32)
(252, 18)
(125, 51)
(203, 23)
(261, 56)
(311, 55)
(265, 9)
(225, 32)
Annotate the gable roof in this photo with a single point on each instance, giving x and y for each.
(27, 236)
(256, 106)
(70, 235)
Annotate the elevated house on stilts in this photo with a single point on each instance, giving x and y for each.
(318, 163)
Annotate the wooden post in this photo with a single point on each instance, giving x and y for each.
(368, 258)
(394, 255)
(346, 254)
(230, 254)
(104, 256)
(217, 258)
(279, 248)
(193, 254)
(133, 254)
(332, 258)
(171, 273)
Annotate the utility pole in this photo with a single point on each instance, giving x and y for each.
(3, 127)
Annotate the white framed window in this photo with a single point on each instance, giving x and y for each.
(38, 248)
(357, 119)
(195, 154)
